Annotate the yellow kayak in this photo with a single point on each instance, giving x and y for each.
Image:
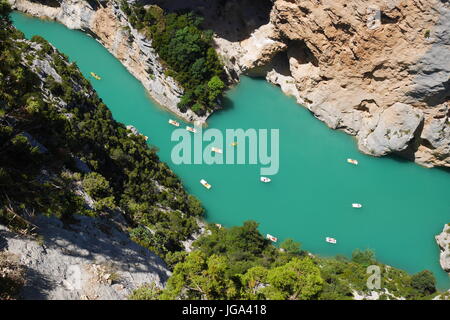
(96, 76)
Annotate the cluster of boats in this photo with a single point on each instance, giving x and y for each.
(213, 149)
(327, 239)
(262, 179)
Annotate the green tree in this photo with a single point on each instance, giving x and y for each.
(215, 88)
(290, 246)
(424, 282)
(297, 280)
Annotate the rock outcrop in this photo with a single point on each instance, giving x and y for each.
(443, 241)
(90, 258)
(378, 70)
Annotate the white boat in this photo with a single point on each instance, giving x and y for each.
(191, 129)
(205, 184)
(352, 161)
(331, 240)
(271, 238)
(217, 150)
(265, 179)
(356, 205)
(174, 123)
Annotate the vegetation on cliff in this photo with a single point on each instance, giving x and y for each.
(238, 263)
(61, 146)
(187, 52)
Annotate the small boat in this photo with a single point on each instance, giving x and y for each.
(234, 144)
(265, 179)
(174, 123)
(205, 184)
(271, 238)
(190, 129)
(217, 150)
(356, 205)
(331, 240)
(355, 162)
(96, 76)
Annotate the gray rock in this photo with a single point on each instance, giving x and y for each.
(390, 130)
(443, 241)
(432, 81)
(89, 259)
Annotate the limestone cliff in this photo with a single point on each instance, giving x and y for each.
(443, 240)
(378, 70)
(90, 259)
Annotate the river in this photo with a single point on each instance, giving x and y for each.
(404, 205)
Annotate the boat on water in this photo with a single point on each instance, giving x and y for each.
(271, 238)
(234, 144)
(356, 205)
(174, 123)
(205, 184)
(96, 76)
(265, 179)
(217, 150)
(190, 129)
(331, 240)
(352, 161)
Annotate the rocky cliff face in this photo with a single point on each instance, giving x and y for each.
(378, 70)
(91, 258)
(109, 25)
(443, 240)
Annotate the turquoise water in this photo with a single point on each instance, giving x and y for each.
(310, 198)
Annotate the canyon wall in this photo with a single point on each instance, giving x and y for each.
(379, 70)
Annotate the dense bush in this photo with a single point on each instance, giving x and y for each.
(187, 52)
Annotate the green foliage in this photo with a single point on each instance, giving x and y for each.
(364, 258)
(125, 172)
(424, 282)
(146, 292)
(290, 246)
(186, 50)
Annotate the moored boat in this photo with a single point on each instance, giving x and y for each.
(331, 240)
(96, 76)
(352, 161)
(265, 179)
(356, 205)
(217, 150)
(174, 123)
(190, 129)
(205, 184)
(271, 238)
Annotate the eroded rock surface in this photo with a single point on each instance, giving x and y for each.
(90, 258)
(443, 240)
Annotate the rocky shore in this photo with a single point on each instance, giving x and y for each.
(443, 241)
